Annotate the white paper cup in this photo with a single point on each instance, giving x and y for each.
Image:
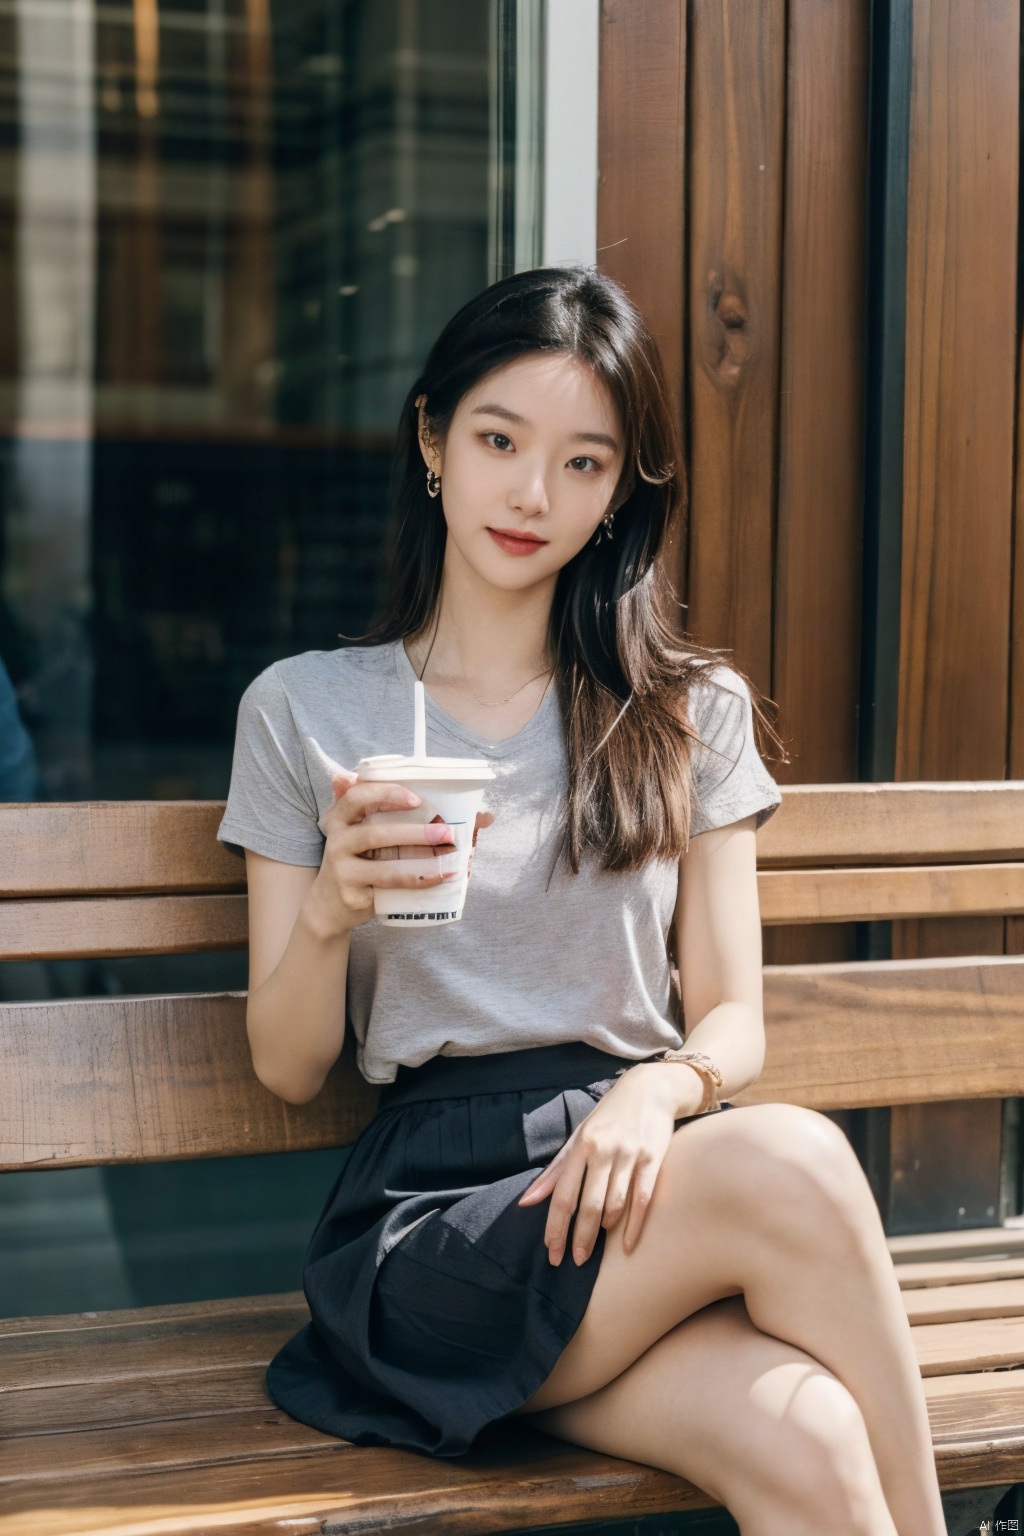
(452, 790)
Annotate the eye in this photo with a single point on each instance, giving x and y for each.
(582, 460)
(503, 445)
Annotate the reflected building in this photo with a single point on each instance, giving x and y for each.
(229, 231)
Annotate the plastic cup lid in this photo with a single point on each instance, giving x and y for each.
(391, 765)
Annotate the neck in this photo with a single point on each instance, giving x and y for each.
(484, 633)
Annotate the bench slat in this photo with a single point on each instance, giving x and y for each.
(851, 1034)
(202, 1359)
(981, 1344)
(977, 1385)
(93, 926)
(528, 1479)
(958, 1272)
(140, 1079)
(202, 1342)
(977, 1425)
(315, 1491)
(186, 1312)
(907, 823)
(143, 1399)
(142, 1364)
(980, 1419)
(104, 846)
(972, 1243)
(165, 846)
(184, 1443)
(880, 892)
(959, 1303)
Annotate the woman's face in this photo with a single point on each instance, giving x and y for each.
(530, 464)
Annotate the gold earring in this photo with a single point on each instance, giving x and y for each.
(433, 483)
(606, 527)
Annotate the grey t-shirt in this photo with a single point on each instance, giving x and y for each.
(531, 963)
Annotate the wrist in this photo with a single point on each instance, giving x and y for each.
(679, 1087)
(321, 917)
(708, 1071)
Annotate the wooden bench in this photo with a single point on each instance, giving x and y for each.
(157, 1421)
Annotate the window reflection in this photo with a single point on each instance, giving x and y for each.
(229, 229)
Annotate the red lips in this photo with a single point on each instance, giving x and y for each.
(514, 542)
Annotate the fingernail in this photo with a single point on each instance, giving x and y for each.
(412, 799)
(579, 1254)
(452, 874)
(437, 832)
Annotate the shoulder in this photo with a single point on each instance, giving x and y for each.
(307, 675)
(730, 779)
(719, 698)
(348, 663)
(719, 674)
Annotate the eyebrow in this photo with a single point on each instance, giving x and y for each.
(521, 421)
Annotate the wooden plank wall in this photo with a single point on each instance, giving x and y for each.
(641, 149)
(735, 211)
(769, 208)
(764, 321)
(641, 191)
(958, 504)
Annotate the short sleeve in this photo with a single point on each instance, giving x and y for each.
(271, 807)
(729, 779)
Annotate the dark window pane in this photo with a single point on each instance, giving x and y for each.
(229, 231)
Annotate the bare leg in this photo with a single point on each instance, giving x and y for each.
(770, 1203)
(759, 1425)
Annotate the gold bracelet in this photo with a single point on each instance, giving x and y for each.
(706, 1070)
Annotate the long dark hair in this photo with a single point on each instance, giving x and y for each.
(621, 671)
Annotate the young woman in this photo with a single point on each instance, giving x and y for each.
(550, 1215)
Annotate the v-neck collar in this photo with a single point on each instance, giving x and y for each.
(406, 674)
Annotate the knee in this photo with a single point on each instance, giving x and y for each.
(820, 1472)
(826, 1475)
(795, 1175)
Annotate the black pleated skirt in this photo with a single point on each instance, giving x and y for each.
(435, 1309)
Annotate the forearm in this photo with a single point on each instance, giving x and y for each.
(296, 1018)
(732, 1034)
(718, 953)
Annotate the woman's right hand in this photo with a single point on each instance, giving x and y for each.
(359, 855)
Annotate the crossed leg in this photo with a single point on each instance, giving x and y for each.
(771, 1206)
(758, 1424)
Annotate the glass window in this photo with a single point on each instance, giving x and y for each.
(229, 231)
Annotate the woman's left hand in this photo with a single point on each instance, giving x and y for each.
(614, 1157)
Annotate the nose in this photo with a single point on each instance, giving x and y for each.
(529, 496)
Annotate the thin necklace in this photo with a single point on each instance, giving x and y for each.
(487, 703)
(493, 703)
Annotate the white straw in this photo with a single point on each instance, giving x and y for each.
(420, 733)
